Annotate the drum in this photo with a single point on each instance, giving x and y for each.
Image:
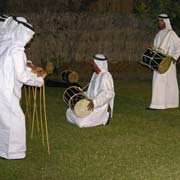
(70, 76)
(77, 101)
(156, 60)
(50, 67)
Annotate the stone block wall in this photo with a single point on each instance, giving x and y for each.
(75, 37)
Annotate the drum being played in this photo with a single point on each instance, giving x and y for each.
(77, 101)
(156, 60)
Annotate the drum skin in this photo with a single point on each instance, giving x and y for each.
(81, 109)
(50, 68)
(70, 76)
(164, 65)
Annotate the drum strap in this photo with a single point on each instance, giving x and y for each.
(85, 86)
(164, 39)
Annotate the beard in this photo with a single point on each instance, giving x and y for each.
(161, 26)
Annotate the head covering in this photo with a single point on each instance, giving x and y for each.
(9, 26)
(3, 17)
(101, 62)
(23, 33)
(166, 21)
(2, 20)
(21, 19)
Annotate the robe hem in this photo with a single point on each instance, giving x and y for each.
(21, 155)
(163, 107)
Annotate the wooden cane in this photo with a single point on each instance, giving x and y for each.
(27, 103)
(34, 90)
(45, 119)
(41, 115)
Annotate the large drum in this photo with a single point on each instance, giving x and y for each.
(70, 76)
(156, 60)
(77, 101)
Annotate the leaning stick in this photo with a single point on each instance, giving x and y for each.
(34, 112)
(27, 103)
(35, 104)
(32, 127)
(41, 118)
(45, 119)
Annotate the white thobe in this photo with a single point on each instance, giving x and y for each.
(101, 91)
(13, 74)
(165, 91)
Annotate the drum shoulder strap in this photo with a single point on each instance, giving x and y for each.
(164, 38)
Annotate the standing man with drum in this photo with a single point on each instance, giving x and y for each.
(165, 91)
(100, 95)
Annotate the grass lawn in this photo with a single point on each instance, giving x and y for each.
(138, 144)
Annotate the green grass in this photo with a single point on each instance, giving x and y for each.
(137, 144)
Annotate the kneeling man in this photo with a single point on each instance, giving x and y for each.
(100, 94)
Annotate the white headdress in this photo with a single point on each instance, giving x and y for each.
(166, 20)
(23, 33)
(101, 62)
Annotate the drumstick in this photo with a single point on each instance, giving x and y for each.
(45, 118)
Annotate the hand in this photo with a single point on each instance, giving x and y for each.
(43, 74)
(90, 105)
(147, 45)
(173, 60)
(31, 65)
(37, 70)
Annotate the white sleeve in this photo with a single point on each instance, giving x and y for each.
(22, 74)
(175, 41)
(106, 90)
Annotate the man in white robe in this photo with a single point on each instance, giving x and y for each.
(13, 74)
(165, 91)
(101, 96)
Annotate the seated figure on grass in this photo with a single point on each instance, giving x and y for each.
(100, 94)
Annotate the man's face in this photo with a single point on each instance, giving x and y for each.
(94, 67)
(29, 43)
(92, 63)
(161, 24)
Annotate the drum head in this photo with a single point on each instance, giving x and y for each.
(73, 77)
(164, 65)
(80, 109)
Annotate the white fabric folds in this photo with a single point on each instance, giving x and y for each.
(165, 91)
(101, 91)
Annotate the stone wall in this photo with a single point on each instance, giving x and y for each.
(75, 37)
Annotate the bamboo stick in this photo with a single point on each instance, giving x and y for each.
(45, 119)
